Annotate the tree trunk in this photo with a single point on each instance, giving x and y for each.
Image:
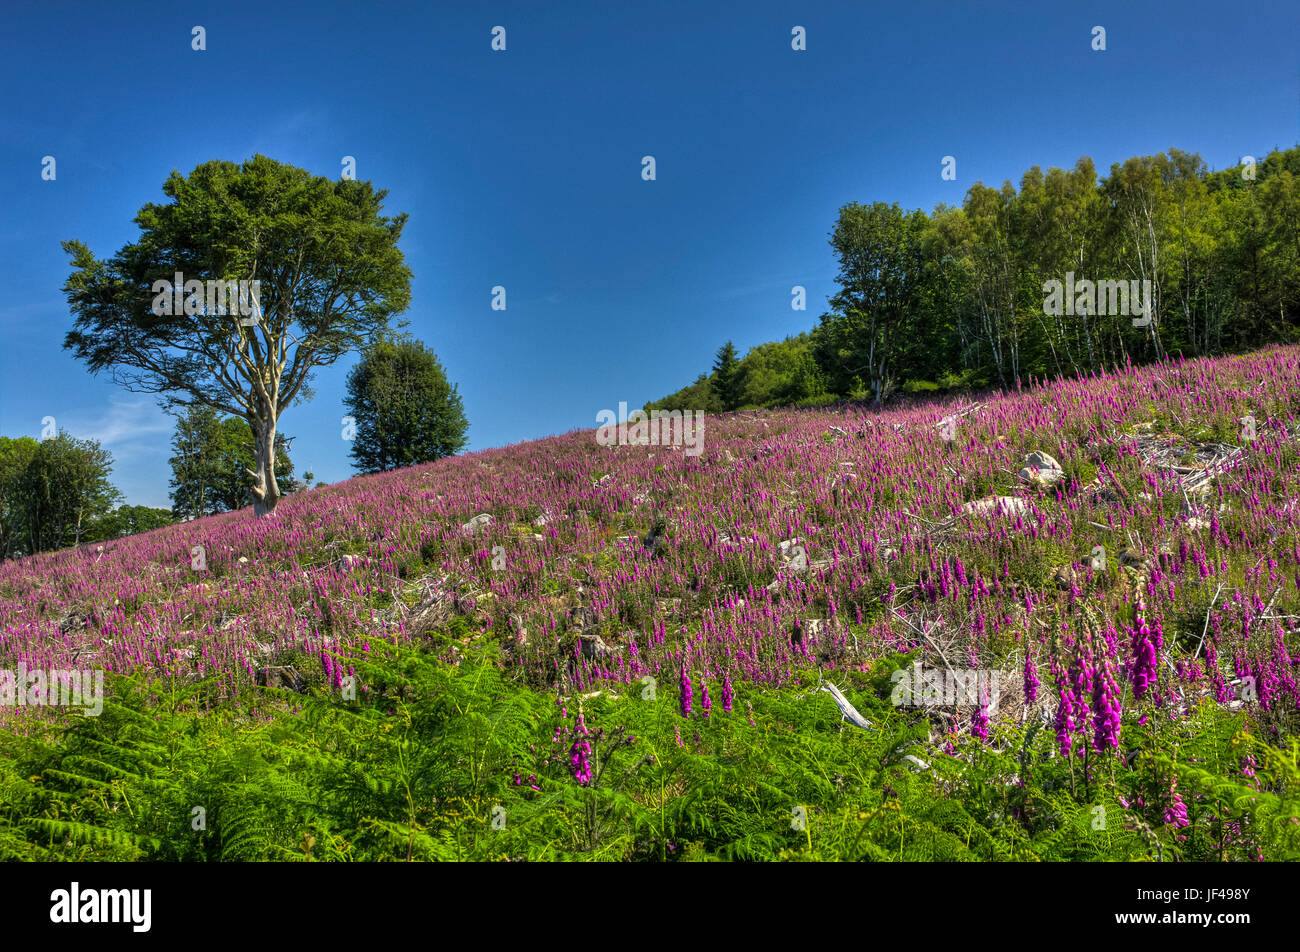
(266, 492)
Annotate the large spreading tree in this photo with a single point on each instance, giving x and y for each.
(331, 278)
(406, 410)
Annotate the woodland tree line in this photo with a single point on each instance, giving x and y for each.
(954, 299)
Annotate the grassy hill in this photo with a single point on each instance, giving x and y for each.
(568, 650)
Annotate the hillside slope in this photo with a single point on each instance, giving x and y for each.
(1147, 584)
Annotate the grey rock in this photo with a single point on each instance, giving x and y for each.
(1041, 469)
(480, 521)
(997, 505)
(794, 555)
(593, 646)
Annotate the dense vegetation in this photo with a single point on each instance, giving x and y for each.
(322, 275)
(491, 657)
(213, 461)
(56, 493)
(456, 762)
(955, 299)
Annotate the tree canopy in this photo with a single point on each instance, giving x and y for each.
(128, 520)
(331, 277)
(52, 492)
(406, 410)
(726, 376)
(957, 297)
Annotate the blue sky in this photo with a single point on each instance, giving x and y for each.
(522, 168)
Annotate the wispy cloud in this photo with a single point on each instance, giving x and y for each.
(752, 289)
(277, 132)
(126, 426)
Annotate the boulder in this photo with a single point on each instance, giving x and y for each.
(1041, 469)
(794, 555)
(482, 520)
(593, 646)
(997, 505)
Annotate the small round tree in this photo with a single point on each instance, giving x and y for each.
(406, 410)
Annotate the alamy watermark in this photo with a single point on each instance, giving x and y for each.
(130, 906)
(918, 687)
(1113, 298)
(214, 298)
(53, 688)
(659, 428)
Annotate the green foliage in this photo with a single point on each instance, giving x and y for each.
(700, 395)
(212, 460)
(439, 761)
(15, 456)
(780, 373)
(406, 410)
(727, 379)
(52, 492)
(128, 520)
(957, 296)
(882, 276)
(331, 278)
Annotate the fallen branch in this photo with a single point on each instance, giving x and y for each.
(1206, 627)
(1269, 607)
(937, 649)
(848, 710)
